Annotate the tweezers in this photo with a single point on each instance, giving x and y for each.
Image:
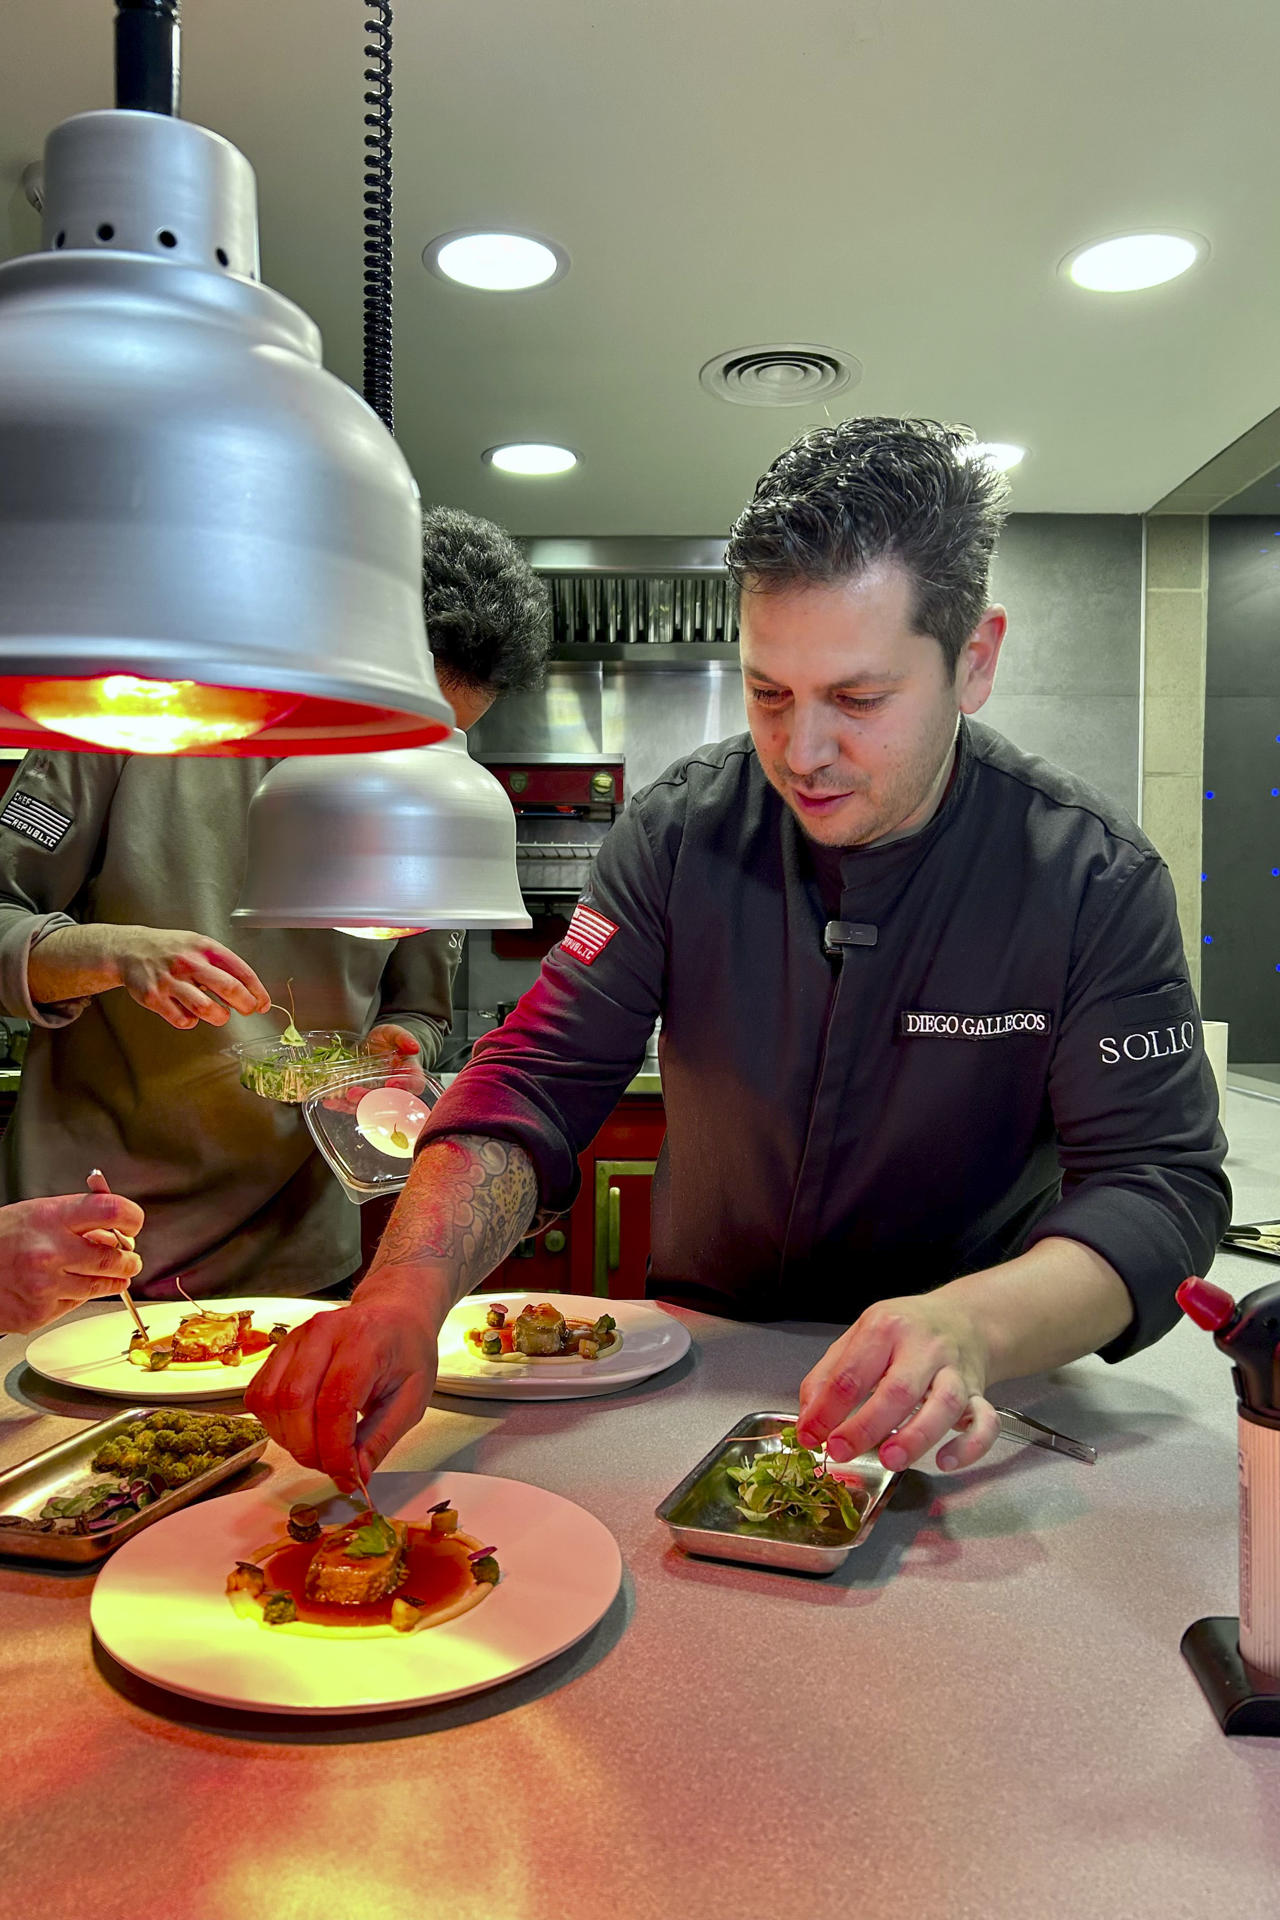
(1015, 1426)
(1030, 1433)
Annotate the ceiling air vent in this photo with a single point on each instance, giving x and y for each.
(786, 376)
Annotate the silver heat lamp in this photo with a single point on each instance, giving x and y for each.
(208, 544)
(382, 844)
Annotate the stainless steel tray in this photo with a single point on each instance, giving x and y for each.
(703, 1518)
(25, 1488)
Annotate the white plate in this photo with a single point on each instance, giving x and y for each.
(160, 1608)
(651, 1341)
(91, 1354)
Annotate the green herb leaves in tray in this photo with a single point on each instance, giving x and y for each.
(789, 1485)
(292, 1071)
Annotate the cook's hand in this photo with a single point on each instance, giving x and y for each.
(185, 977)
(57, 1253)
(375, 1358)
(401, 1059)
(905, 1375)
(403, 1056)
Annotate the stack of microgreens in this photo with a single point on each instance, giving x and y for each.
(789, 1484)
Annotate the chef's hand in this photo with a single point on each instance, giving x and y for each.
(375, 1358)
(906, 1374)
(401, 1060)
(403, 1056)
(55, 1254)
(184, 977)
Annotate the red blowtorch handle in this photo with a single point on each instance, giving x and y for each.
(1209, 1306)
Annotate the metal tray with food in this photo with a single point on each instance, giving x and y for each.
(79, 1500)
(810, 1513)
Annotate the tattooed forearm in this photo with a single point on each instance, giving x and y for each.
(467, 1202)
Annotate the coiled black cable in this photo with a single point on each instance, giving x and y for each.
(378, 312)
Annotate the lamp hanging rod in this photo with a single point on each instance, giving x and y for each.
(148, 70)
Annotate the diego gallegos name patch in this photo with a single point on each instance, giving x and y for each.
(916, 1023)
(40, 822)
(589, 934)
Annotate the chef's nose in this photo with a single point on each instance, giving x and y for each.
(812, 744)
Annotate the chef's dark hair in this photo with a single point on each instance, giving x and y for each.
(488, 620)
(845, 496)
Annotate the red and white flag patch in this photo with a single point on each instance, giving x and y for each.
(589, 934)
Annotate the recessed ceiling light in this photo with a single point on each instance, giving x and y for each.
(1000, 454)
(496, 262)
(530, 457)
(1134, 260)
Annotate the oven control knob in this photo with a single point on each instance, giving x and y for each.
(555, 1241)
(602, 785)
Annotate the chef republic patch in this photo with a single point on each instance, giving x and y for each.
(589, 934)
(35, 818)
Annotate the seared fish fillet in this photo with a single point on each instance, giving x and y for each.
(352, 1583)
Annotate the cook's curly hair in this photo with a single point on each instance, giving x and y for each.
(845, 496)
(488, 619)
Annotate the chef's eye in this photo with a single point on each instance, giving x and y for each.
(854, 703)
(768, 696)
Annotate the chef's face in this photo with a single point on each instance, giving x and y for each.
(852, 712)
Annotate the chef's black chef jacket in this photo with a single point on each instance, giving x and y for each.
(988, 1037)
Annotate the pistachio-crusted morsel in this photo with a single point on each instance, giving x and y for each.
(304, 1522)
(278, 1609)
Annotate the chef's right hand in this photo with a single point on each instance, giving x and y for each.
(185, 977)
(373, 1361)
(52, 1259)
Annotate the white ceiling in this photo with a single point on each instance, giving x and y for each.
(897, 178)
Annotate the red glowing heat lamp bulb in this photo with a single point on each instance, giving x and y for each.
(1209, 1306)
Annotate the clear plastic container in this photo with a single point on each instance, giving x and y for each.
(290, 1073)
(367, 1127)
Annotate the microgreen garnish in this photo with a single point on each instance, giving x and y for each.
(790, 1484)
(370, 1541)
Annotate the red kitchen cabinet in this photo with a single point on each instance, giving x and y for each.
(601, 1246)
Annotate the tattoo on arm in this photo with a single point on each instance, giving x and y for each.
(467, 1202)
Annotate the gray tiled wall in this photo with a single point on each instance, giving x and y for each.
(1068, 682)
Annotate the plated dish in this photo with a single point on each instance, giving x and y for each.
(160, 1605)
(368, 1574)
(542, 1333)
(205, 1338)
(648, 1340)
(93, 1353)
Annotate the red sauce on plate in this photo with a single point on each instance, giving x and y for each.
(255, 1341)
(439, 1572)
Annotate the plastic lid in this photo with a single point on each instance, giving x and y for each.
(366, 1124)
(1209, 1306)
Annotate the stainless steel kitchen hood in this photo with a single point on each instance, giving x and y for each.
(638, 592)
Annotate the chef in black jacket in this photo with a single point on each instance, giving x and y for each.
(932, 1064)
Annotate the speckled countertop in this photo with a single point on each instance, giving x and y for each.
(986, 1714)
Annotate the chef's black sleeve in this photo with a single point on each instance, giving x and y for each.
(551, 1074)
(1135, 1103)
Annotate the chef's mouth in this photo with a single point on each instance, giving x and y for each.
(819, 800)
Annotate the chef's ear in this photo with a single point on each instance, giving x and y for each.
(979, 657)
